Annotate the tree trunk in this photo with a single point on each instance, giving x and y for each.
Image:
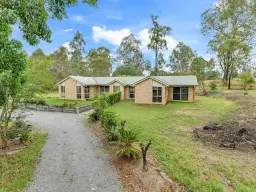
(144, 151)
(156, 57)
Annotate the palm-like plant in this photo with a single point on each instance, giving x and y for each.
(128, 145)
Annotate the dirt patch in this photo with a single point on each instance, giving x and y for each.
(133, 178)
(237, 132)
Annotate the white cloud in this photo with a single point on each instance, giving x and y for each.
(68, 30)
(113, 37)
(79, 19)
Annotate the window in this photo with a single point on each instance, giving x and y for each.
(104, 89)
(86, 92)
(180, 93)
(62, 90)
(184, 93)
(116, 88)
(157, 94)
(78, 92)
(131, 92)
(176, 93)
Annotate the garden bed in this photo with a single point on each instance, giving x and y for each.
(130, 172)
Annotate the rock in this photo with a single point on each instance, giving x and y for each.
(17, 141)
(174, 187)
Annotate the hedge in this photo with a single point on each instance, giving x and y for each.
(114, 97)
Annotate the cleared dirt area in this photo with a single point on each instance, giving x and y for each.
(238, 131)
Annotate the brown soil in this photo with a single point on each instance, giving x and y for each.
(239, 131)
(130, 172)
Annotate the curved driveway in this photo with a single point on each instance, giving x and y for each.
(72, 158)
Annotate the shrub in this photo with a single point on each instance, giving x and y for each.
(100, 104)
(128, 145)
(25, 135)
(93, 116)
(110, 118)
(213, 86)
(69, 103)
(114, 97)
(41, 102)
(19, 123)
(113, 134)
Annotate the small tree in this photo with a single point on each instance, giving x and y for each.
(246, 80)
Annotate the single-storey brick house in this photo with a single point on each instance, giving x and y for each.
(142, 89)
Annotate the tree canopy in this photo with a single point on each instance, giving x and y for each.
(157, 36)
(127, 70)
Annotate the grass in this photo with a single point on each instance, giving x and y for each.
(185, 159)
(18, 170)
(59, 102)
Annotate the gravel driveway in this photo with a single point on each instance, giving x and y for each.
(72, 158)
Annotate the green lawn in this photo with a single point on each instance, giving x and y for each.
(59, 102)
(183, 157)
(18, 170)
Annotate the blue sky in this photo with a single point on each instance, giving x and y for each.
(114, 19)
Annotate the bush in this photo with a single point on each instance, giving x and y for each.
(41, 102)
(213, 86)
(69, 103)
(113, 134)
(99, 104)
(110, 118)
(128, 145)
(25, 135)
(93, 116)
(114, 97)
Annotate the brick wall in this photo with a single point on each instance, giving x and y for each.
(191, 94)
(93, 91)
(143, 92)
(170, 94)
(70, 89)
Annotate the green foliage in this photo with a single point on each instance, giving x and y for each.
(128, 147)
(32, 16)
(41, 102)
(100, 104)
(114, 97)
(175, 150)
(110, 118)
(127, 70)
(93, 116)
(113, 134)
(25, 135)
(35, 101)
(130, 55)
(231, 26)
(157, 36)
(213, 86)
(246, 79)
(18, 170)
(181, 58)
(99, 62)
(69, 103)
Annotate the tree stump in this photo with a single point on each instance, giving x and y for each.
(144, 151)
